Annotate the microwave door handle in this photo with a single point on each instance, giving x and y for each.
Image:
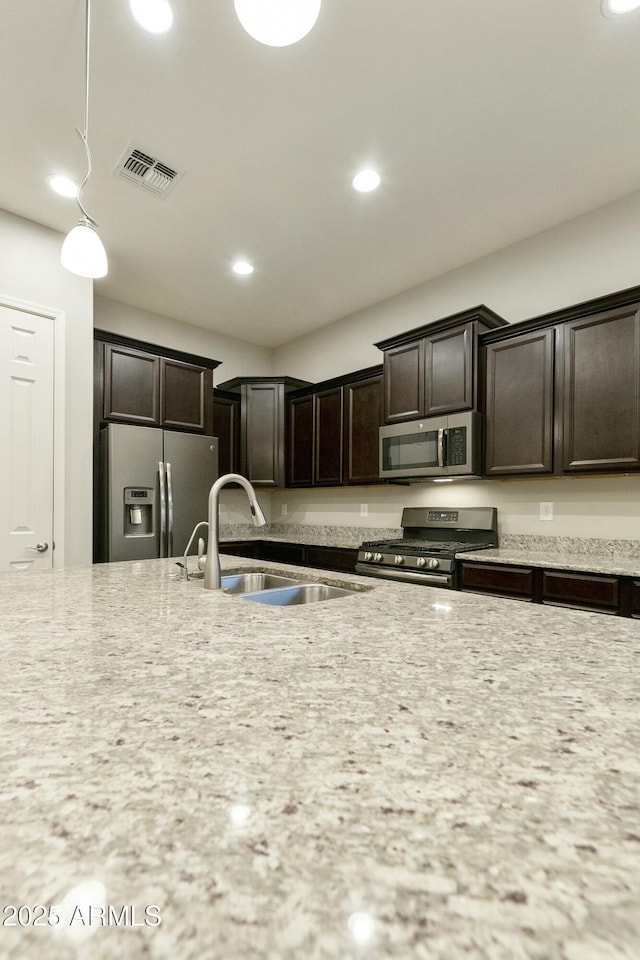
(441, 447)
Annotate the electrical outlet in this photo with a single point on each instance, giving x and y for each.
(546, 510)
(364, 509)
(283, 509)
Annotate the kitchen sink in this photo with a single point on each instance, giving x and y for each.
(254, 581)
(298, 593)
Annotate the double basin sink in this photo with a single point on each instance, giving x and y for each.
(277, 591)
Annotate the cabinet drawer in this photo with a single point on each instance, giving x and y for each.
(580, 589)
(492, 578)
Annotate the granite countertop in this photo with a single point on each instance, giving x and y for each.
(408, 773)
(590, 563)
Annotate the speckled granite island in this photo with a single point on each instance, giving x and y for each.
(404, 773)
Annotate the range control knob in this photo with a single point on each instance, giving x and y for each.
(421, 562)
(377, 557)
(398, 560)
(432, 563)
(367, 555)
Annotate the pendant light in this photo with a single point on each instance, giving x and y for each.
(82, 251)
(277, 23)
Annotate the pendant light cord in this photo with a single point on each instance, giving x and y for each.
(85, 134)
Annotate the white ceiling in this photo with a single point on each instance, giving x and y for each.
(489, 120)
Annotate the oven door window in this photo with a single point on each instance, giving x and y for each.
(411, 451)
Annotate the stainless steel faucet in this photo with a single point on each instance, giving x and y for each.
(212, 564)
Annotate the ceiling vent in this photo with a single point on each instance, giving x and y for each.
(147, 172)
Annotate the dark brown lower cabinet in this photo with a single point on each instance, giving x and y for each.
(634, 598)
(241, 548)
(580, 591)
(339, 559)
(332, 558)
(497, 580)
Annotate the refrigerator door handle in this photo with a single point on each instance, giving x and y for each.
(169, 511)
(163, 509)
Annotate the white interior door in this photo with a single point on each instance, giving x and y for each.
(26, 439)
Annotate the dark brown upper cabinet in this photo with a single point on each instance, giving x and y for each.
(300, 442)
(519, 404)
(404, 382)
(363, 412)
(432, 369)
(328, 437)
(600, 396)
(333, 431)
(186, 396)
(562, 391)
(226, 427)
(131, 386)
(262, 426)
(134, 383)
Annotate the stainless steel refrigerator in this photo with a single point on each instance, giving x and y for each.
(153, 488)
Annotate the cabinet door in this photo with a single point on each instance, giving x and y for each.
(328, 437)
(131, 386)
(282, 552)
(262, 446)
(226, 427)
(362, 419)
(342, 559)
(300, 449)
(449, 369)
(601, 392)
(404, 382)
(186, 396)
(519, 404)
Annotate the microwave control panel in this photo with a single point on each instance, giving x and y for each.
(457, 446)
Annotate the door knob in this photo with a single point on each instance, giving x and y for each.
(40, 547)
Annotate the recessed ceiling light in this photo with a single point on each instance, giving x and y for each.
(277, 23)
(64, 186)
(366, 180)
(242, 268)
(616, 8)
(154, 16)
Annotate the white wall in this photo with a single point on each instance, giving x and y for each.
(238, 357)
(30, 271)
(591, 256)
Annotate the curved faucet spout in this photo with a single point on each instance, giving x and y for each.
(212, 564)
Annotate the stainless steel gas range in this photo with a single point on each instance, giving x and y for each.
(432, 536)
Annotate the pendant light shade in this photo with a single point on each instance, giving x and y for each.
(277, 23)
(83, 252)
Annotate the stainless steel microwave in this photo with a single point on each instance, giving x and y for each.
(435, 447)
